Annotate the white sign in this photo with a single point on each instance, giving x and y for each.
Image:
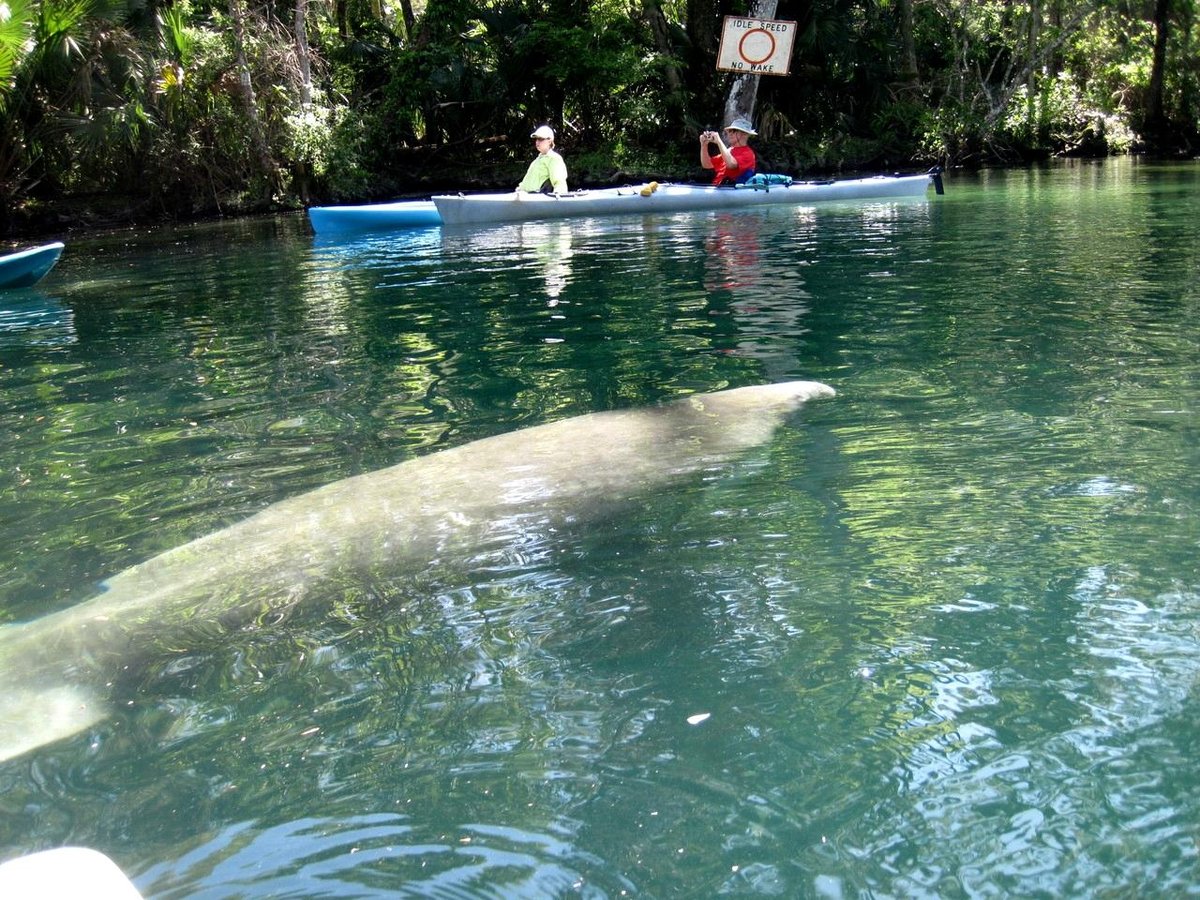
(756, 46)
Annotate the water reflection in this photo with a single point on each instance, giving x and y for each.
(29, 318)
(548, 245)
(734, 253)
(381, 854)
(1030, 803)
(755, 263)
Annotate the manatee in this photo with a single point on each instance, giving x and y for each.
(55, 671)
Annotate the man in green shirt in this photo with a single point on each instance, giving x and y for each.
(548, 169)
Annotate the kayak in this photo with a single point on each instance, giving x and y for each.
(374, 217)
(26, 267)
(487, 209)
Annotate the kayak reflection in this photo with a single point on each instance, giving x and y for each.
(547, 244)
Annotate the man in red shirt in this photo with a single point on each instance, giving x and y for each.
(733, 161)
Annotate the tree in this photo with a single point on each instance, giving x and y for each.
(257, 136)
(1163, 134)
(743, 93)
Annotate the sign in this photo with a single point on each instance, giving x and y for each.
(756, 46)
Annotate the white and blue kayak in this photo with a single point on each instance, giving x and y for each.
(28, 267)
(488, 209)
(512, 206)
(374, 217)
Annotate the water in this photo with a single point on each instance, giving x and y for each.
(940, 638)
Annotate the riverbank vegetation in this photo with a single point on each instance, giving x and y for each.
(128, 110)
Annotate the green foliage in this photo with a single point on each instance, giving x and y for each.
(179, 40)
(74, 101)
(951, 132)
(432, 96)
(16, 27)
(146, 100)
(605, 90)
(1057, 119)
(326, 140)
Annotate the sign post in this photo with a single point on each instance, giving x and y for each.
(752, 46)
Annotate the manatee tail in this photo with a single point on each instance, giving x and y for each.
(32, 717)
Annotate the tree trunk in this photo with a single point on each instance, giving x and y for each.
(302, 53)
(238, 16)
(909, 75)
(341, 16)
(661, 29)
(1031, 75)
(410, 18)
(1156, 118)
(699, 70)
(743, 93)
(1055, 18)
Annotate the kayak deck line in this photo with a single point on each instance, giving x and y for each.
(487, 209)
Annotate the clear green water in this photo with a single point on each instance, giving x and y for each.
(945, 628)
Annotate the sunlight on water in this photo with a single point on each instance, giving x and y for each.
(939, 637)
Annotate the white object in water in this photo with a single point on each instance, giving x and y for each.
(65, 874)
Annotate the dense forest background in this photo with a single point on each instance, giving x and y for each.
(123, 110)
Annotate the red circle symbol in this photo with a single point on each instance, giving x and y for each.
(755, 33)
